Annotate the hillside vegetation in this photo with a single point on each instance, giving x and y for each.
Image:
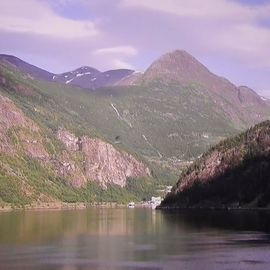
(36, 166)
(173, 112)
(89, 144)
(234, 173)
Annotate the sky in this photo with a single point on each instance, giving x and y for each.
(230, 37)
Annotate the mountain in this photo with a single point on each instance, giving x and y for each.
(31, 70)
(234, 173)
(48, 153)
(142, 131)
(87, 77)
(241, 104)
(248, 96)
(172, 112)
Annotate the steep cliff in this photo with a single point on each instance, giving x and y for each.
(236, 173)
(102, 162)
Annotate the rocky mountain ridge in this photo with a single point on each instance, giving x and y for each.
(241, 104)
(176, 65)
(85, 77)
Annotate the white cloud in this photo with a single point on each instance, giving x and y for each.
(231, 38)
(248, 43)
(127, 50)
(34, 17)
(117, 63)
(115, 56)
(217, 26)
(207, 9)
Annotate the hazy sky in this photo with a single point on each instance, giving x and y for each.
(231, 37)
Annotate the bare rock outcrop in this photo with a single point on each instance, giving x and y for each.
(103, 163)
(84, 159)
(106, 165)
(27, 132)
(67, 167)
(11, 115)
(68, 139)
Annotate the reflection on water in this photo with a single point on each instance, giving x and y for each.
(134, 239)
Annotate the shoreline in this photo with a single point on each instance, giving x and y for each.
(59, 206)
(56, 206)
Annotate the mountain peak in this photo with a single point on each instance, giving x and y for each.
(177, 53)
(177, 65)
(184, 69)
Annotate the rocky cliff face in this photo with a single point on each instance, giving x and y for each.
(234, 173)
(106, 165)
(80, 161)
(102, 162)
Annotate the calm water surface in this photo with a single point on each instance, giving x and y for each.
(138, 239)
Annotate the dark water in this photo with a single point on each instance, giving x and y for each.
(134, 239)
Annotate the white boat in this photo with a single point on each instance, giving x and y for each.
(131, 205)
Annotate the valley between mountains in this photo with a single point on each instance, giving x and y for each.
(118, 135)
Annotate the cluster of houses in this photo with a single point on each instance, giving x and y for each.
(155, 201)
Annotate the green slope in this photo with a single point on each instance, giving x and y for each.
(161, 123)
(234, 173)
(158, 121)
(24, 179)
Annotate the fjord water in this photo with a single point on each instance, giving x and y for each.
(120, 238)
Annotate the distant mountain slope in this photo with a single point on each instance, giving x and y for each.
(87, 77)
(132, 79)
(172, 112)
(161, 120)
(235, 173)
(31, 70)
